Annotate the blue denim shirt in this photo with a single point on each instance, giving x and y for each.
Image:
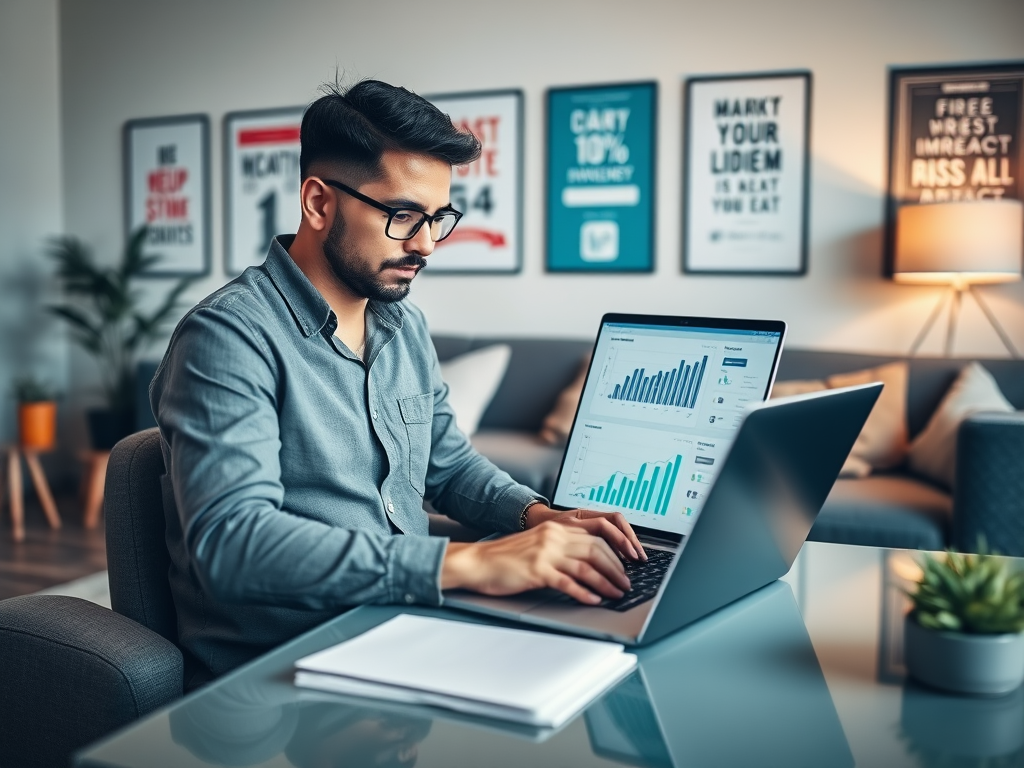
(297, 472)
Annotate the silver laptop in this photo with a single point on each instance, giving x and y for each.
(722, 488)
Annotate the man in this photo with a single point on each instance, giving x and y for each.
(304, 420)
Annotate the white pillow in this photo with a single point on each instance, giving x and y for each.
(472, 380)
(933, 452)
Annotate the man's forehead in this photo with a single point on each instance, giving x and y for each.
(409, 171)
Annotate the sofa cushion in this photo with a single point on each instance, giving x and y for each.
(886, 510)
(523, 455)
(472, 380)
(883, 441)
(933, 452)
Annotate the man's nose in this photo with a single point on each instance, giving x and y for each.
(421, 243)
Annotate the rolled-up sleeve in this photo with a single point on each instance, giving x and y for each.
(216, 400)
(460, 482)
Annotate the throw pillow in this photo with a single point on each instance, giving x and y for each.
(884, 440)
(854, 466)
(933, 452)
(555, 430)
(472, 380)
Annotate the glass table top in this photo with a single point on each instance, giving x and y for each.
(807, 671)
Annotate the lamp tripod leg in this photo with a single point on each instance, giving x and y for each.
(923, 333)
(995, 324)
(954, 315)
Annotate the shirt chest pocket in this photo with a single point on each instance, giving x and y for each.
(418, 413)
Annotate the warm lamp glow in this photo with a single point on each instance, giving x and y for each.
(960, 243)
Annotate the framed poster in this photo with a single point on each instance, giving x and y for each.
(601, 173)
(261, 182)
(167, 188)
(954, 134)
(745, 173)
(489, 191)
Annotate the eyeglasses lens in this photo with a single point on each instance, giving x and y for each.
(405, 224)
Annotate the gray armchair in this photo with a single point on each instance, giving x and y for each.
(71, 671)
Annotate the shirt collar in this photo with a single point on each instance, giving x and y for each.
(311, 310)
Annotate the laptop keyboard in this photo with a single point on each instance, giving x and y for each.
(644, 578)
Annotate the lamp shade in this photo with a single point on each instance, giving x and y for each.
(969, 242)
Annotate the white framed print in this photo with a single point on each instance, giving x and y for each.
(167, 189)
(488, 191)
(745, 175)
(261, 182)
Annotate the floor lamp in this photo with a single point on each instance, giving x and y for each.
(960, 245)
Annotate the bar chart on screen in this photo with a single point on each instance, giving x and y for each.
(617, 468)
(654, 383)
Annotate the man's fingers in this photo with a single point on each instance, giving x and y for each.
(592, 576)
(567, 584)
(607, 530)
(620, 522)
(598, 555)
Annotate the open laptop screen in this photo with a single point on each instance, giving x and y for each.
(661, 405)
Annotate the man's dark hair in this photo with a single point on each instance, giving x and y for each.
(356, 126)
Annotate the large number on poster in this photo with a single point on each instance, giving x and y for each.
(261, 182)
(488, 191)
(601, 150)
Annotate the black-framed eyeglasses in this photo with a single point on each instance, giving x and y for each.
(404, 223)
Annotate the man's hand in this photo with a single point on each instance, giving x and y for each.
(610, 526)
(573, 552)
(563, 557)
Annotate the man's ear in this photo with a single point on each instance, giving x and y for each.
(318, 204)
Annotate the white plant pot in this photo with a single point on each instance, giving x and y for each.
(986, 665)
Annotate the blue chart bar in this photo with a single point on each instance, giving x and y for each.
(678, 387)
(649, 490)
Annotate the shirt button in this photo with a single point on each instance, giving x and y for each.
(410, 599)
(374, 414)
(391, 507)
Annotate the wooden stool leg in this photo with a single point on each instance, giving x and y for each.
(42, 489)
(17, 501)
(97, 473)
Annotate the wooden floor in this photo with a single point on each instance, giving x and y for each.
(46, 557)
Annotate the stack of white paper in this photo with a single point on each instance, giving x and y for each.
(513, 674)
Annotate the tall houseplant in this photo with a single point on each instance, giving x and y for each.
(105, 314)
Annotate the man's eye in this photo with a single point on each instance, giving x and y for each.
(404, 217)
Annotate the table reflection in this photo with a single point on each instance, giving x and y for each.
(741, 687)
(241, 725)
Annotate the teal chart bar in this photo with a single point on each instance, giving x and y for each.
(649, 489)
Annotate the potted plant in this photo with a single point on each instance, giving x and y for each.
(37, 414)
(106, 317)
(966, 630)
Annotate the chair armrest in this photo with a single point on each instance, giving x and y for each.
(988, 499)
(73, 672)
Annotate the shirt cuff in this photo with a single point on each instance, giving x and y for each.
(415, 569)
(508, 509)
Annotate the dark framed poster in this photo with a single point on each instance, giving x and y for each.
(167, 188)
(954, 134)
(489, 191)
(745, 173)
(261, 182)
(602, 143)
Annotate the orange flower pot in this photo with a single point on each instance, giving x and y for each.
(37, 425)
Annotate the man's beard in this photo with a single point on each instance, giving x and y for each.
(360, 278)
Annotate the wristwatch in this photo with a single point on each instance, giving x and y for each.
(522, 515)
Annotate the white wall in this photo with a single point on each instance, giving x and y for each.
(123, 59)
(31, 199)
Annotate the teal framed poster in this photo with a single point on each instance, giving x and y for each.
(600, 186)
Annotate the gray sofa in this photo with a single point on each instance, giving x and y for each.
(891, 509)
